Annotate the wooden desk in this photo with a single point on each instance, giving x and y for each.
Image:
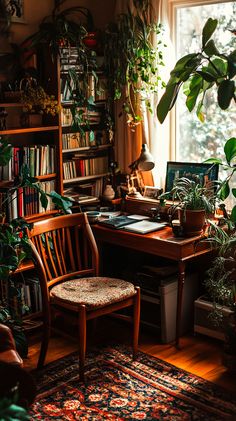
(160, 243)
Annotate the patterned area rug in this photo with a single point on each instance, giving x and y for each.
(117, 388)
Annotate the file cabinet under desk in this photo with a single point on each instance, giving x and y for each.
(159, 302)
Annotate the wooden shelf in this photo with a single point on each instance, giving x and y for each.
(87, 148)
(45, 177)
(87, 177)
(11, 105)
(43, 215)
(25, 265)
(28, 130)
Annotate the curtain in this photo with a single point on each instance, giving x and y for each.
(157, 137)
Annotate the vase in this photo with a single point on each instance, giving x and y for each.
(108, 193)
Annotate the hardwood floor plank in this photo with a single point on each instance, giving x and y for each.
(198, 354)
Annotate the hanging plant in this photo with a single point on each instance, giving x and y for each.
(131, 60)
(63, 29)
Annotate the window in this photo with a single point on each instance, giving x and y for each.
(196, 141)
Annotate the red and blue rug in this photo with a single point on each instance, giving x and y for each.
(116, 388)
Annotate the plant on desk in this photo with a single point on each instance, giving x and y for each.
(194, 204)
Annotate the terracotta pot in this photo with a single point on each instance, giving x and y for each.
(192, 221)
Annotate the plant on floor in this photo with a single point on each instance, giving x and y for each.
(132, 61)
(199, 72)
(10, 411)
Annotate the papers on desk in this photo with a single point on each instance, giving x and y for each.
(145, 226)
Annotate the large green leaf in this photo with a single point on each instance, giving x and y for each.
(182, 63)
(206, 75)
(225, 93)
(167, 101)
(233, 214)
(5, 152)
(230, 149)
(224, 191)
(195, 87)
(61, 202)
(232, 64)
(234, 192)
(208, 30)
(213, 161)
(43, 200)
(210, 48)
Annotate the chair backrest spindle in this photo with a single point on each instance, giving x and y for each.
(66, 247)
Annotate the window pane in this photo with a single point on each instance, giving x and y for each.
(196, 141)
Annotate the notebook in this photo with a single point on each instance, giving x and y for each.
(144, 227)
(117, 222)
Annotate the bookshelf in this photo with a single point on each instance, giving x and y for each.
(69, 152)
(72, 159)
(87, 144)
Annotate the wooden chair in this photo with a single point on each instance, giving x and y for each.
(66, 255)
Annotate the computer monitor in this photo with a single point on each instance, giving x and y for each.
(200, 172)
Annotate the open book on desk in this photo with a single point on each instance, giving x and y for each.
(144, 227)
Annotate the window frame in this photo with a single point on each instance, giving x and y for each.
(173, 5)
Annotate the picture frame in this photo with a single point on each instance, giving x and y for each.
(202, 173)
(151, 192)
(16, 11)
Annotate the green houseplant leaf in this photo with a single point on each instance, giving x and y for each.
(167, 101)
(230, 149)
(225, 93)
(208, 30)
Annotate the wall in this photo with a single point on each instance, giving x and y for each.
(36, 10)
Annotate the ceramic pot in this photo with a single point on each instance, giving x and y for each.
(91, 39)
(192, 221)
(108, 193)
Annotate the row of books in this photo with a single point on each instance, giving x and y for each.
(84, 167)
(86, 191)
(87, 116)
(39, 158)
(25, 201)
(90, 138)
(28, 297)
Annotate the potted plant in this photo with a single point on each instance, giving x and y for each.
(37, 102)
(63, 29)
(201, 71)
(193, 202)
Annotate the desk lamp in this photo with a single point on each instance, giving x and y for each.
(145, 162)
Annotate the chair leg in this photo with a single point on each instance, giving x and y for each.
(44, 343)
(136, 321)
(82, 340)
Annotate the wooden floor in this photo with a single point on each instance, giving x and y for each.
(198, 354)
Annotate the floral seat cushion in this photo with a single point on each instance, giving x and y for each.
(93, 292)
